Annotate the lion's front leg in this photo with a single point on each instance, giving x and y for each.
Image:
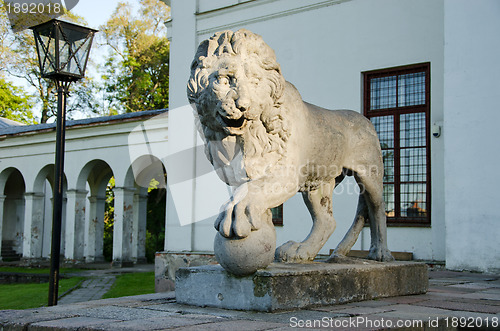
(246, 209)
(319, 203)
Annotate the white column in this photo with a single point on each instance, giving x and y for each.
(33, 225)
(139, 229)
(2, 200)
(75, 224)
(123, 226)
(95, 230)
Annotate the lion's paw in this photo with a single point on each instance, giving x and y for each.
(380, 254)
(237, 220)
(293, 251)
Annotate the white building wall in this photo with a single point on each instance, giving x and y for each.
(182, 135)
(471, 118)
(323, 48)
(108, 143)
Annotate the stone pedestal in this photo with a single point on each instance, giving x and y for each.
(167, 264)
(293, 286)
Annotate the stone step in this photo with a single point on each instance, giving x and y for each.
(8, 253)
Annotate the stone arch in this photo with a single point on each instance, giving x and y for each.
(86, 212)
(46, 173)
(12, 206)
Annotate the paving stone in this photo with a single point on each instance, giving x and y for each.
(495, 283)
(483, 296)
(366, 323)
(443, 282)
(473, 286)
(159, 323)
(288, 317)
(439, 274)
(153, 298)
(235, 325)
(449, 295)
(470, 314)
(454, 305)
(406, 312)
(356, 311)
(122, 313)
(481, 301)
(405, 299)
(20, 319)
(289, 328)
(451, 289)
(371, 303)
(184, 309)
(73, 323)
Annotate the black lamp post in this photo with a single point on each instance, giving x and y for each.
(63, 50)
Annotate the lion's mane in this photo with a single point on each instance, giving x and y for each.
(268, 133)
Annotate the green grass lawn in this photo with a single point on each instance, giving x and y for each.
(23, 296)
(28, 270)
(132, 284)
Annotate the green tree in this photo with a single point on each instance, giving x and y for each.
(19, 59)
(24, 65)
(155, 225)
(15, 104)
(5, 41)
(136, 71)
(109, 220)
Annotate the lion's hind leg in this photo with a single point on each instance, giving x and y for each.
(372, 189)
(319, 203)
(352, 234)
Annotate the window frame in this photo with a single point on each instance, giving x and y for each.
(396, 112)
(278, 221)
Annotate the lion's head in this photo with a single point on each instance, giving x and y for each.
(237, 88)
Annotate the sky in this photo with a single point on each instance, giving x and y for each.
(96, 12)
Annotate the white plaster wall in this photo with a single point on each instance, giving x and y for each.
(323, 48)
(182, 133)
(471, 117)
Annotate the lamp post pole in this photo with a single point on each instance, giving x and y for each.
(62, 92)
(63, 49)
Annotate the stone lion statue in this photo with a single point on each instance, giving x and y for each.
(269, 144)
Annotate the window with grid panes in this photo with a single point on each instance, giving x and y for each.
(397, 102)
(277, 213)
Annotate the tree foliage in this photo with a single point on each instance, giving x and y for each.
(134, 76)
(136, 71)
(19, 60)
(109, 220)
(15, 104)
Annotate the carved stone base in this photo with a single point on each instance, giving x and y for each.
(292, 286)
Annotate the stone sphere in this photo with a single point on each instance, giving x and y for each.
(245, 256)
